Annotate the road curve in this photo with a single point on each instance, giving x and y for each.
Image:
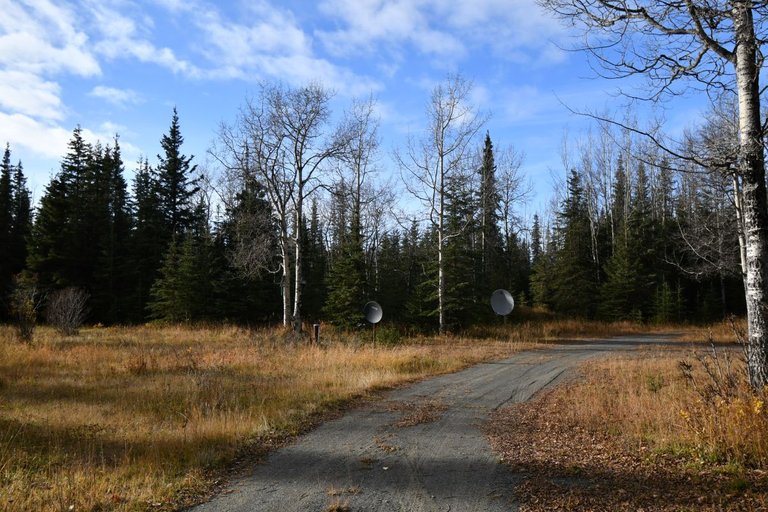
(372, 460)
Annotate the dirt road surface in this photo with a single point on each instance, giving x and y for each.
(419, 449)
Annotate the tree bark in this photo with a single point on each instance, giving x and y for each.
(752, 170)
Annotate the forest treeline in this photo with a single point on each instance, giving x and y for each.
(634, 234)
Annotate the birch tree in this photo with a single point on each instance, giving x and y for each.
(253, 149)
(284, 137)
(428, 163)
(697, 44)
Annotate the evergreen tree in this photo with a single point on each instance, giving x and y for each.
(392, 284)
(492, 264)
(574, 275)
(420, 250)
(185, 289)
(315, 267)
(536, 247)
(461, 303)
(542, 272)
(246, 290)
(21, 221)
(111, 294)
(175, 185)
(148, 242)
(59, 248)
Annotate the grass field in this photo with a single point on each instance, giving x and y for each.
(148, 417)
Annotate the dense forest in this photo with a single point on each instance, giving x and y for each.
(297, 228)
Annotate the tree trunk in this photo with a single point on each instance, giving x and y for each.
(285, 282)
(440, 248)
(297, 264)
(752, 170)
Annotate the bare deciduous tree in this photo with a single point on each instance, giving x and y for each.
(283, 140)
(442, 152)
(710, 45)
(66, 310)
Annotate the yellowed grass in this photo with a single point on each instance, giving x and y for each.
(125, 418)
(648, 400)
(128, 418)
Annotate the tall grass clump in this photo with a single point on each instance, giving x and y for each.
(700, 406)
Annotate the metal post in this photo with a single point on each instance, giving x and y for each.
(316, 329)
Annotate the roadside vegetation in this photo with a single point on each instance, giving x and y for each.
(155, 416)
(149, 417)
(672, 428)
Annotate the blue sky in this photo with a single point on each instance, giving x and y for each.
(120, 66)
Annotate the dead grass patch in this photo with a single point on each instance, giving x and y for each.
(637, 433)
(338, 505)
(417, 413)
(125, 418)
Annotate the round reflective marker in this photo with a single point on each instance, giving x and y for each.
(502, 302)
(373, 312)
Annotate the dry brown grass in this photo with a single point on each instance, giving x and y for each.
(657, 430)
(144, 417)
(130, 418)
(695, 404)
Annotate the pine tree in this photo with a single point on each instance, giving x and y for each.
(6, 224)
(574, 273)
(461, 303)
(492, 264)
(315, 267)
(175, 185)
(60, 249)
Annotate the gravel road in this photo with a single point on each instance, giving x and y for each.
(419, 449)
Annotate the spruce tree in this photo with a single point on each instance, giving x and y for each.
(315, 267)
(6, 224)
(111, 294)
(21, 221)
(461, 303)
(175, 184)
(491, 261)
(247, 290)
(574, 272)
(148, 242)
(60, 249)
(347, 282)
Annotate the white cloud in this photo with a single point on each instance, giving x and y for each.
(28, 94)
(122, 37)
(443, 29)
(373, 22)
(41, 138)
(43, 39)
(267, 42)
(120, 97)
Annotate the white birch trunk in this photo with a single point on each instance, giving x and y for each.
(752, 170)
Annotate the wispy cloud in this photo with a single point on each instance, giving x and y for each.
(42, 38)
(119, 97)
(29, 94)
(266, 42)
(120, 36)
(443, 29)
